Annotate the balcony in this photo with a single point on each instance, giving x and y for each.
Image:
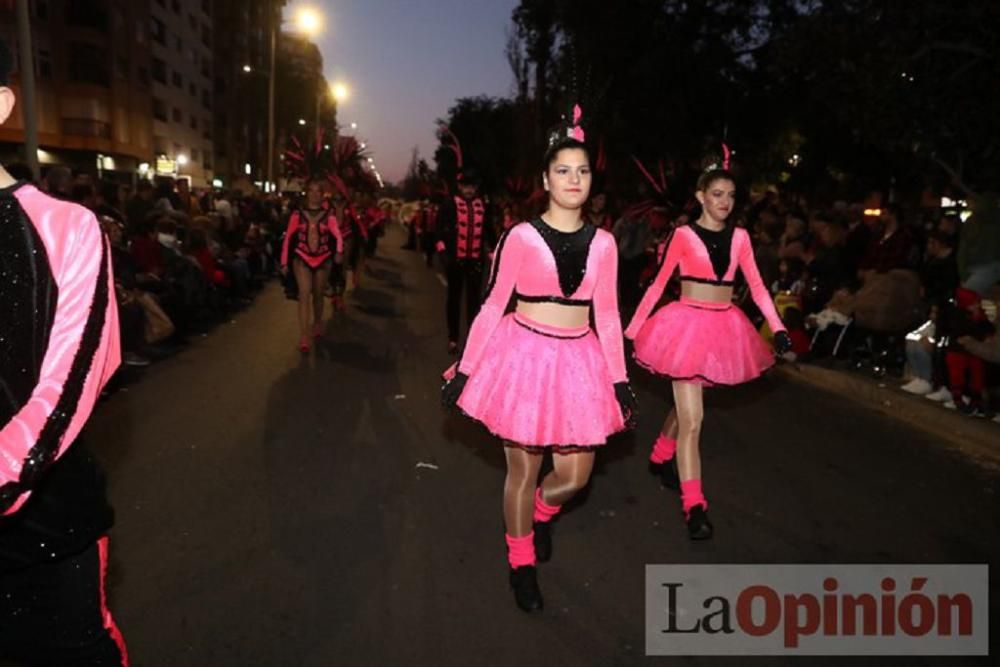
(86, 127)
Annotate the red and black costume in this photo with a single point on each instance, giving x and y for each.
(60, 346)
(313, 241)
(468, 237)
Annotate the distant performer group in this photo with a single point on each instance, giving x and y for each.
(550, 376)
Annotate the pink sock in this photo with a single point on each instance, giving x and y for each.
(543, 511)
(663, 449)
(691, 495)
(521, 550)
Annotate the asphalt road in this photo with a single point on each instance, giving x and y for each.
(272, 509)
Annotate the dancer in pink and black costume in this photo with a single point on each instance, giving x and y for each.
(60, 347)
(703, 340)
(313, 246)
(465, 238)
(540, 378)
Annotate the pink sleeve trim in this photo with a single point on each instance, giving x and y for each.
(758, 291)
(675, 250)
(607, 318)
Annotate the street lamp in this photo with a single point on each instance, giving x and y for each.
(247, 69)
(182, 159)
(340, 91)
(309, 21)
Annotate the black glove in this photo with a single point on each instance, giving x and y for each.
(782, 343)
(628, 403)
(452, 389)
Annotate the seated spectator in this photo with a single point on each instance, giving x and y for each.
(966, 371)
(892, 247)
(59, 182)
(795, 322)
(939, 274)
(795, 241)
(950, 226)
(84, 195)
(790, 271)
(827, 265)
(140, 206)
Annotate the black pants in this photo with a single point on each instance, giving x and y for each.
(55, 613)
(463, 275)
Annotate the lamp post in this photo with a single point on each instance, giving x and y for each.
(310, 22)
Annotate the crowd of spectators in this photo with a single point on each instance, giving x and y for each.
(184, 260)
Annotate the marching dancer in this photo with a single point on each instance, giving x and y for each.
(313, 244)
(465, 236)
(703, 340)
(540, 378)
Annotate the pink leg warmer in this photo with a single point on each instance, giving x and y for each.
(663, 449)
(691, 495)
(543, 511)
(521, 550)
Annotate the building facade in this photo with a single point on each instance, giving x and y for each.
(93, 85)
(182, 79)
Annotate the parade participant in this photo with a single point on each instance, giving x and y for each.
(539, 378)
(429, 211)
(465, 237)
(61, 345)
(375, 222)
(597, 213)
(703, 340)
(313, 245)
(355, 237)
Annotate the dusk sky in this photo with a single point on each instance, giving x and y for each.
(406, 61)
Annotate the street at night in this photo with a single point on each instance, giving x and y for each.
(284, 517)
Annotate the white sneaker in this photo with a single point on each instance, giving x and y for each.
(918, 386)
(940, 395)
(950, 405)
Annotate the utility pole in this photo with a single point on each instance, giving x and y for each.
(27, 73)
(270, 102)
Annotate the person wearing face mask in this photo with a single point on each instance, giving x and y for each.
(703, 340)
(465, 237)
(540, 378)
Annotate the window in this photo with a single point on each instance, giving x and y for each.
(206, 99)
(88, 64)
(87, 14)
(43, 63)
(177, 6)
(159, 109)
(42, 10)
(178, 79)
(159, 31)
(142, 74)
(194, 123)
(195, 155)
(193, 90)
(178, 116)
(159, 70)
(206, 36)
(121, 67)
(207, 125)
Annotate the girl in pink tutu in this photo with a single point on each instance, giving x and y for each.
(540, 378)
(703, 340)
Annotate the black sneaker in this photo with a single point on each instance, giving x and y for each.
(543, 541)
(667, 472)
(699, 527)
(524, 582)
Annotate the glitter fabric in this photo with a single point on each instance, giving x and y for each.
(83, 348)
(539, 390)
(688, 252)
(526, 261)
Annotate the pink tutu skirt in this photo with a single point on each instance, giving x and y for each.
(543, 386)
(702, 343)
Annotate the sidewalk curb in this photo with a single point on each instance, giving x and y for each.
(977, 438)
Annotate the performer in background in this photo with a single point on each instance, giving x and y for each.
(59, 328)
(313, 244)
(540, 378)
(703, 340)
(465, 238)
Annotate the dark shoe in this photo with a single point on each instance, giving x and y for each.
(699, 527)
(667, 472)
(452, 347)
(524, 582)
(543, 541)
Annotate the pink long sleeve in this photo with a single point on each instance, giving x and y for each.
(607, 319)
(655, 290)
(758, 291)
(503, 277)
(83, 348)
(293, 224)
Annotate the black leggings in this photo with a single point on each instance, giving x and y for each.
(56, 614)
(467, 275)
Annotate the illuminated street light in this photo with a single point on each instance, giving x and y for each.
(354, 126)
(302, 121)
(247, 69)
(309, 21)
(182, 159)
(340, 91)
